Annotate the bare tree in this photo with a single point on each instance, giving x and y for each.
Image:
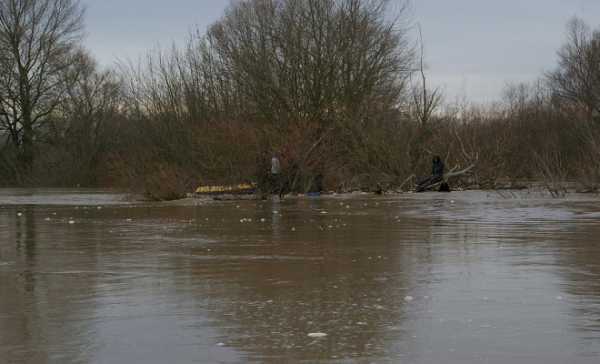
(576, 81)
(39, 40)
(325, 71)
(86, 123)
(315, 60)
(424, 100)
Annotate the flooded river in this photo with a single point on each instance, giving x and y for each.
(465, 277)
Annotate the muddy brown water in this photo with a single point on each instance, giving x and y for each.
(465, 277)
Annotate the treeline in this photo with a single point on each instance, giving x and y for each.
(335, 87)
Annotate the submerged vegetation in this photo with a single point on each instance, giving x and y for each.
(336, 87)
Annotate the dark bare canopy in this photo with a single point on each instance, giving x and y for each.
(315, 59)
(577, 78)
(39, 42)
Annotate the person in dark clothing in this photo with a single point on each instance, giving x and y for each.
(437, 175)
(318, 184)
(437, 169)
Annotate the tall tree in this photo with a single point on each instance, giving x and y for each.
(576, 81)
(296, 60)
(39, 42)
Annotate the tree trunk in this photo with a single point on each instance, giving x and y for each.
(27, 153)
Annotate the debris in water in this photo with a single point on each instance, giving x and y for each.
(317, 334)
(19, 214)
(220, 344)
(323, 212)
(293, 229)
(560, 298)
(263, 220)
(409, 298)
(47, 219)
(71, 222)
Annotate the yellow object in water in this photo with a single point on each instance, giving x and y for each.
(240, 188)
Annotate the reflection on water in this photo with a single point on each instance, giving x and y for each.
(432, 278)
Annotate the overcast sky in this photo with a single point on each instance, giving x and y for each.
(473, 47)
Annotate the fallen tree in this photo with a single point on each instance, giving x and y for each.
(451, 174)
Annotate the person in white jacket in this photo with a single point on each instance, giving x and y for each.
(276, 176)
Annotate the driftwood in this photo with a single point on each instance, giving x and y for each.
(452, 173)
(412, 176)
